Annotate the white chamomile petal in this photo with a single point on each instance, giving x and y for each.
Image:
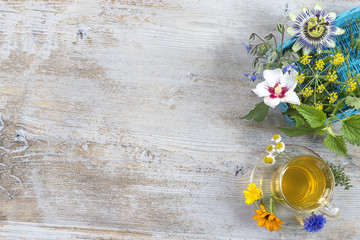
(339, 31)
(296, 46)
(270, 148)
(318, 6)
(280, 147)
(292, 16)
(269, 160)
(292, 31)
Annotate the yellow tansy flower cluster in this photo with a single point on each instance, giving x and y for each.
(319, 105)
(320, 89)
(306, 59)
(333, 97)
(338, 60)
(307, 92)
(332, 76)
(300, 78)
(320, 65)
(351, 85)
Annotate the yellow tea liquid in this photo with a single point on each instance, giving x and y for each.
(303, 183)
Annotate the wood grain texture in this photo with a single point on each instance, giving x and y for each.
(122, 120)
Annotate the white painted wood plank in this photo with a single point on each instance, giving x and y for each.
(131, 110)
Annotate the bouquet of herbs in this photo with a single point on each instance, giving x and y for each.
(316, 84)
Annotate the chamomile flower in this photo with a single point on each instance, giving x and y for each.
(280, 147)
(270, 149)
(313, 30)
(276, 138)
(269, 160)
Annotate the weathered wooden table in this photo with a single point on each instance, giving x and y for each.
(121, 120)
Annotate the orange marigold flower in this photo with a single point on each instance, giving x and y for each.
(267, 219)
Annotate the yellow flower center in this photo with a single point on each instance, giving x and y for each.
(279, 145)
(278, 89)
(269, 148)
(268, 160)
(276, 136)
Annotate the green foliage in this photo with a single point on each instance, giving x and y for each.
(340, 177)
(336, 143)
(267, 53)
(312, 115)
(297, 131)
(352, 102)
(258, 113)
(351, 127)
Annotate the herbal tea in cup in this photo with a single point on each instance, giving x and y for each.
(305, 183)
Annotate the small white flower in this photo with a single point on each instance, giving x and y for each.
(280, 147)
(269, 160)
(276, 138)
(278, 87)
(270, 149)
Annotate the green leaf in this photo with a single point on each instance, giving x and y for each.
(352, 102)
(258, 113)
(315, 117)
(297, 131)
(328, 59)
(351, 127)
(354, 142)
(299, 121)
(327, 51)
(336, 143)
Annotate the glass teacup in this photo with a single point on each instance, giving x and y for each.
(305, 183)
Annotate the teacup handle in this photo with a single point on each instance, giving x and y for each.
(330, 210)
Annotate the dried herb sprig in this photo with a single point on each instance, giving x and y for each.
(341, 178)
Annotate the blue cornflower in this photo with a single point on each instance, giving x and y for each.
(253, 76)
(290, 68)
(314, 223)
(247, 47)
